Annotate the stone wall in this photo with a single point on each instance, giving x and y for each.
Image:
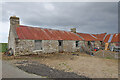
(97, 44)
(50, 46)
(114, 44)
(81, 46)
(82, 43)
(24, 47)
(69, 46)
(11, 41)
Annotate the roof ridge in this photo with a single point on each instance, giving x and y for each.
(44, 28)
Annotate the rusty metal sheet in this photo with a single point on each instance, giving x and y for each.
(87, 37)
(116, 38)
(100, 36)
(35, 33)
(107, 38)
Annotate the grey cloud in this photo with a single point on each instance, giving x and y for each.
(88, 17)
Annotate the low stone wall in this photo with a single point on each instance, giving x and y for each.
(106, 54)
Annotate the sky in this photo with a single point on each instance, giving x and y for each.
(86, 17)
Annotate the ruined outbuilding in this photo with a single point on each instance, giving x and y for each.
(112, 40)
(92, 40)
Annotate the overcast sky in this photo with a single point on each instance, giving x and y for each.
(86, 17)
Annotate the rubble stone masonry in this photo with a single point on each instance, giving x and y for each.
(25, 47)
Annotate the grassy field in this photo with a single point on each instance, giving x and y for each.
(80, 63)
(3, 47)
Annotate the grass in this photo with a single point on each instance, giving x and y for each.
(109, 58)
(50, 56)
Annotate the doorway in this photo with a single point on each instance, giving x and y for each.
(60, 45)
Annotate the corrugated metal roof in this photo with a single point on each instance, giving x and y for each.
(100, 36)
(107, 38)
(35, 33)
(87, 37)
(93, 36)
(110, 38)
(114, 38)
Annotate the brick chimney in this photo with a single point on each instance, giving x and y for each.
(73, 30)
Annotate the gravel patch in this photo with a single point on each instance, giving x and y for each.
(43, 70)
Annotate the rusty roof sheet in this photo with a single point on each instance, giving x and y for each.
(35, 33)
(115, 38)
(100, 36)
(88, 37)
(107, 38)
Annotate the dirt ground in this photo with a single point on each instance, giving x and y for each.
(79, 63)
(33, 67)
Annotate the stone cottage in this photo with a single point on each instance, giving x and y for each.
(34, 40)
(92, 40)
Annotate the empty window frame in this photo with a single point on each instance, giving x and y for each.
(38, 45)
(77, 43)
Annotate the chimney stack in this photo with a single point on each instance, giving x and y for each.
(14, 21)
(73, 30)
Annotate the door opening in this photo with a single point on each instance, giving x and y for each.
(60, 45)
